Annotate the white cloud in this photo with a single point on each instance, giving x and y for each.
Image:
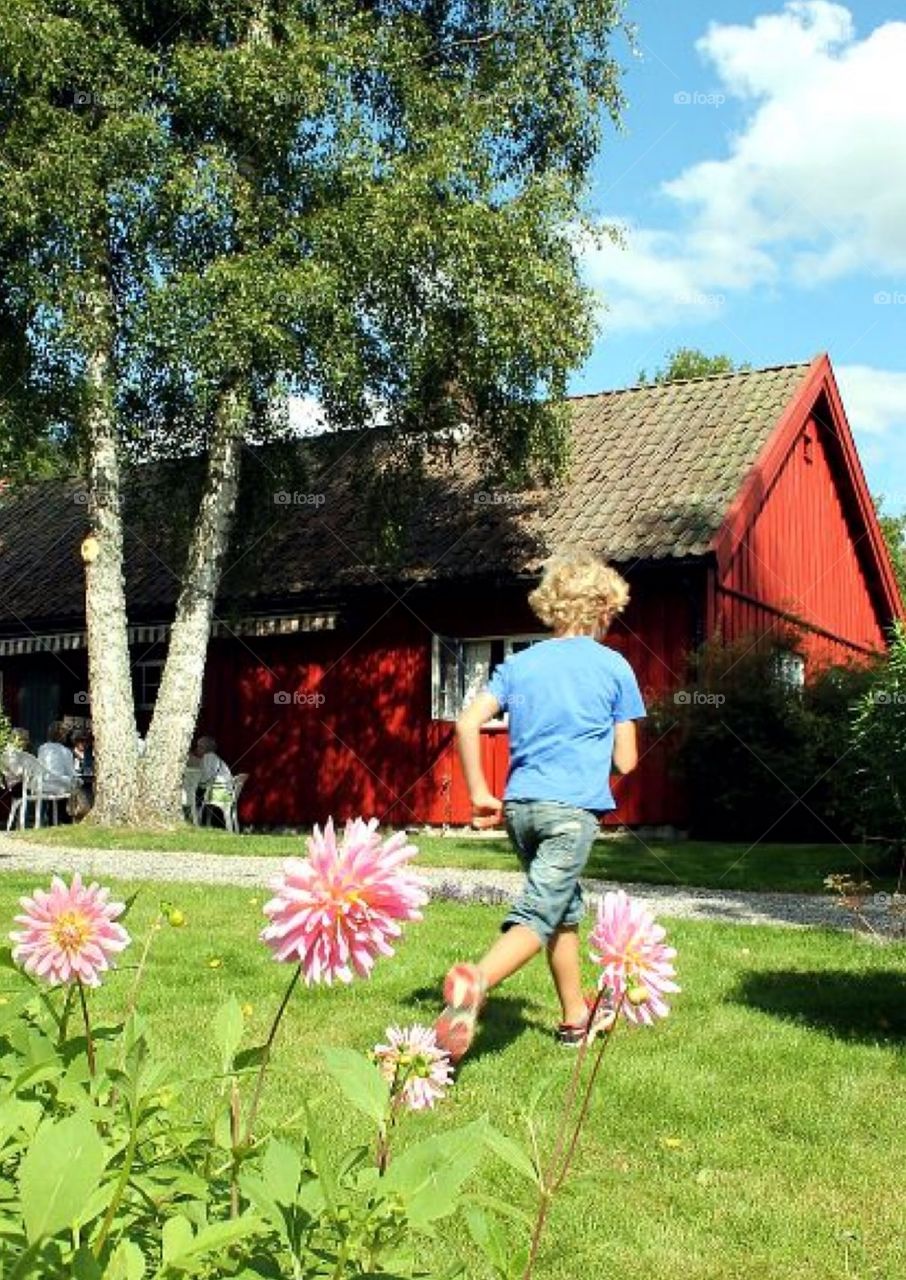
(812, 188)
(874, 399)
(875, 403)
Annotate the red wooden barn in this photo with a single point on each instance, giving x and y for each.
(340, 658)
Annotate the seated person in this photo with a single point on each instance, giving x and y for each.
(57, 759)
(83, 761)
(215, 781)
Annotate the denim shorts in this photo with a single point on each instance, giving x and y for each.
(553, 842)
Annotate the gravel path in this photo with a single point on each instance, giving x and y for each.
(730, 906)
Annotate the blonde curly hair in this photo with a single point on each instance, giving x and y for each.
(579, 592)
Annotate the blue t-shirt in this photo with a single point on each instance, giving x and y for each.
(563, 697)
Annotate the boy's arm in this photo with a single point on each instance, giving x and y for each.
(485, 805)
(625, 746)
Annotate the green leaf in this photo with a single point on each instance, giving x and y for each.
(15, 1005)
(501, 1208)
(59, 1173)
(229, 1025)
(511, 1152)
(321, 1160)
(281, 1170)
(490, 1239)
(251, 1057)
(177, 1237)
(127, 1262)
(213, 1239)
(429, 1176)
(85, 1266)
(361, 1082)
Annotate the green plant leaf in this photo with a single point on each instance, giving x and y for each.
(59, 1173)
(429, 1176)
(511, 1152)
(281, 1170)
(85, 1266)
(229, 1025)
(212, 1239)
(492, 1242)
(127, 1262)
(321, 1160)
(177, 1237)
(361, 1082)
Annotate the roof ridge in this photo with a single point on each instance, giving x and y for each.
(705, 377)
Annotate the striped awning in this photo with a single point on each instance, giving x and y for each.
(158, 633)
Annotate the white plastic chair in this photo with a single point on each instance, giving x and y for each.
(13, 764)
(38, 787)
(225, 797)
(190, 780)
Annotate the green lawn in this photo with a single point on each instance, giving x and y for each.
(791, 868)
(756, 1134)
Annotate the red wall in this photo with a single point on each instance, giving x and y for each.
(370, 746)
(803, 555)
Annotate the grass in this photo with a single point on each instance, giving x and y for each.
(756, 1134)
(626, 858)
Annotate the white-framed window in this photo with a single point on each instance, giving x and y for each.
(789, 668)
(146, 676)
(462, 665)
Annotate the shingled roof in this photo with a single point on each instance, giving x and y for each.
(653, 472)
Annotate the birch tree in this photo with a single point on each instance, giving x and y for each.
(209, 206)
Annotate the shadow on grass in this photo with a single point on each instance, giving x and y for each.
(855, 1006)
(503, 1021)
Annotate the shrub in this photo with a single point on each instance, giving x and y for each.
(762, 756)
(878, 729)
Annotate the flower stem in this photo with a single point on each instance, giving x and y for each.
(266, 1056)
(154, 930)
(121, 1185)
(386, 1129)
(571, 1090)
(234, 1142)
(89, 1040)
(563, 1151)
(558, 1179)
(64, 1014)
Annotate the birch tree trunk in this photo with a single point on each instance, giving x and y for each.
(179, 696)
(109, 675)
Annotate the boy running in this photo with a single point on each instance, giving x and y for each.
(572, 704)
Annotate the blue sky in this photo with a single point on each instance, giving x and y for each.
(760, 186)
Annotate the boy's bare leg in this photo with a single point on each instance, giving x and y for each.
(563, 959)
(509, 953)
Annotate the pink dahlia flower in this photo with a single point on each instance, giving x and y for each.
(339, 908)
(417, 1069)
(629, 945)
(69, 934)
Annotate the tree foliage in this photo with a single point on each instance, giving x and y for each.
(369, 203)
(893, 528)
(689, 362)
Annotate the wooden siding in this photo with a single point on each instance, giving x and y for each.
(370, 747)
(804, 557)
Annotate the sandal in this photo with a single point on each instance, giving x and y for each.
(464, 994)
(574, 1034)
